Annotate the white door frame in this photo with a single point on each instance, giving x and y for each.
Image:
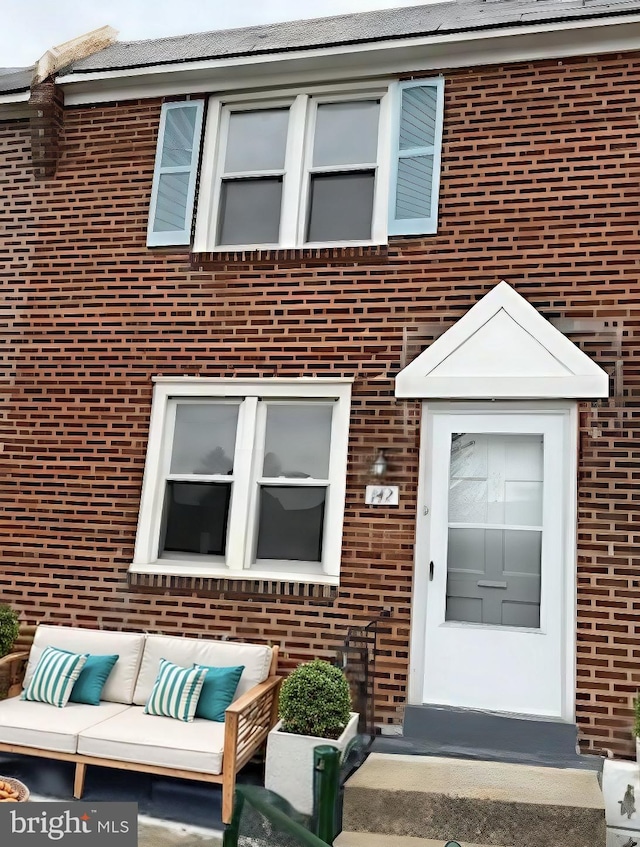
(569, 411)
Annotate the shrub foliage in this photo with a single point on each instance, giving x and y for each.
(315, 700)
(636, 716)
(9, 628)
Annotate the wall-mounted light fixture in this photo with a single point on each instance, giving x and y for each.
(379, 466)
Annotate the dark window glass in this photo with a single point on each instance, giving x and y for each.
(250, 211)
(196, 515)
(291, 523)
(341, 207)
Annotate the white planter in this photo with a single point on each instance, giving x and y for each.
(289, 766)
(621, 792)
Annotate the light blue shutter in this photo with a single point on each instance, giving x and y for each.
(174, 177)
(415, 157)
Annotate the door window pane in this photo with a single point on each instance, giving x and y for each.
(257, 140)
(346, 133)
(250, 211)
(204, 439)
(496, 479)
(297, 441)
(195, 517)
(493, 574)
(341, 207)
(291, 522)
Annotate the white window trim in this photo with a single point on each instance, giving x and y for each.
(297, 163)
(239, 554)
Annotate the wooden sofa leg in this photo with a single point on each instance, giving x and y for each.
(228, 791)
(78, 783)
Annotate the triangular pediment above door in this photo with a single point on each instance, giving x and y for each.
(501, 349)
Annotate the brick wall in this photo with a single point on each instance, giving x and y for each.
(540, 187)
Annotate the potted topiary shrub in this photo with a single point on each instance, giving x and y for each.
(314, 709)
(9, 628)
(636, 724)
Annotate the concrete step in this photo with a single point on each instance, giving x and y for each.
(491, 803)
(369, 839)
(411, 746)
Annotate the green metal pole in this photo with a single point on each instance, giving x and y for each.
(326, 788)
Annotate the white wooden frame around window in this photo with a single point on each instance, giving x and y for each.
(295, 191)
(242, 525)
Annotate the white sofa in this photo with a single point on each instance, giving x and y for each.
(118, 734)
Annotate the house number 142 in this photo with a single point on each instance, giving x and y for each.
(381, 495)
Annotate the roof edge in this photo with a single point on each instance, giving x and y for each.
(590, 14)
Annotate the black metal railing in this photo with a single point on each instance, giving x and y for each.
(357, 657)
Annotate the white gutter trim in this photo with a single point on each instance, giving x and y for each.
(346, 49)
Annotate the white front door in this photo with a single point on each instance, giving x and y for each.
(493, 562)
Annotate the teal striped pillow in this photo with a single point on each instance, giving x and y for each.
(176, 691)
(54, 677)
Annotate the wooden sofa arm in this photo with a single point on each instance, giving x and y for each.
(12, 670)
(248, 720)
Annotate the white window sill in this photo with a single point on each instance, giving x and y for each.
(279, 571)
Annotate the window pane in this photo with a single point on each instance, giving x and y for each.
(297, 441)
(493, 576)
(250, 211)
(196, 517)
(177, 143)
(257, 140)
(413, 191)
(496, 479)
(204, 438)
(418, 120)
(346, 133)
(291, 521)
(341, 207)
(171, 203)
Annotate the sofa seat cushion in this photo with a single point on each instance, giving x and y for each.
(48, 727)
(133, 736)
(128, 646)
(185, 652)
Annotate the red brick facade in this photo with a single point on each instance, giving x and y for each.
(540, 186)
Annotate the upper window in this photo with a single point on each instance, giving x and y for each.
(323, 167)
(245, 474)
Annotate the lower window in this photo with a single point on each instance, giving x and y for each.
(245, 475)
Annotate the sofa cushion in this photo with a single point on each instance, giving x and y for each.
(54, 676)
(48, 727)
(133, 736)
(218, 692)
(92, 679)
(121, 683)
(256, 659)
(176, 691)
